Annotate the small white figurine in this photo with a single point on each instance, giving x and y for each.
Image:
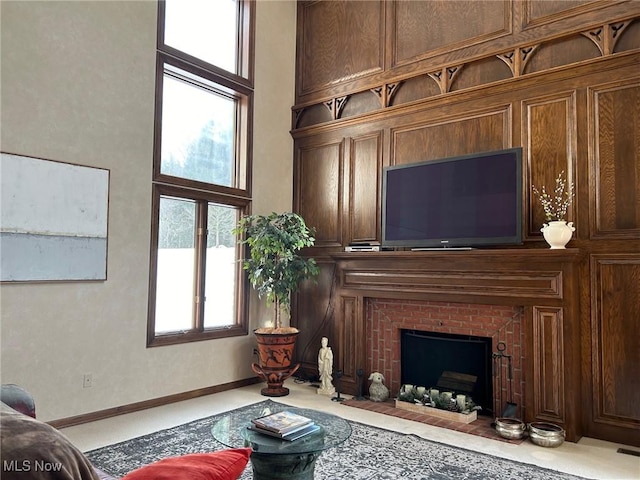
(377, 390)
(325, 368)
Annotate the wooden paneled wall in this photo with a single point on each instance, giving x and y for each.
(387, 83)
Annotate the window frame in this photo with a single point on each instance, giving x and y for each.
(238, 196)
(244, 131)
(246, 45)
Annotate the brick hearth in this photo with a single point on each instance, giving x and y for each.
(480, 427)
(387, 317)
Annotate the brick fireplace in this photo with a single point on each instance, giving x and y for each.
(386, 318)
(526, 298)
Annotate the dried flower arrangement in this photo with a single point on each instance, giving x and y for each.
(556, 205)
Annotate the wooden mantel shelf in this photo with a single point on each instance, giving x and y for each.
(505, 276)
(543, 281)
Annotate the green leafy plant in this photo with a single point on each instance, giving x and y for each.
(274, 266)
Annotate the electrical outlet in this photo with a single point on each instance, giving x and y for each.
(87, 380)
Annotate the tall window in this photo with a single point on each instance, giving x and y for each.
(202, 165)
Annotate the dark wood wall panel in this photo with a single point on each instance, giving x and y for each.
(313, 115)
(423, 29)
(338, 40)
(616, 363)
(548, 363)
(319, 192)
(415, 88)
(484, 71)
(313, 309)
(549, 132)
(540, 12)
(364, 186)
(403, 39)
(349, 332)
(478, 132)
(360, 103)
(562, 52)
(562, 82)
(616, 154)
(630, 40)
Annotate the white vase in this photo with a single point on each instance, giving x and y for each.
(557, 233)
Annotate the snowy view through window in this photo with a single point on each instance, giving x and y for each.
(199, 124)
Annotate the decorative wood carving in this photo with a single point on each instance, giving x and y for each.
(606, 37)
(330, 104)
(444, 78)
(517, 59)
(297, 114)
(339, 105)
(385, 93)
(526, 53)
(379, 92)
(390, 90)
(510, 59)
(336, 105)
(437, 77)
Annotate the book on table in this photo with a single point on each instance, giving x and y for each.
(281, 422)
(300, 432)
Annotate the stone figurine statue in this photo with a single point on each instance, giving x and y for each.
(378, 392)
(325, 368)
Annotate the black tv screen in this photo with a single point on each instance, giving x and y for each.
(464, 201)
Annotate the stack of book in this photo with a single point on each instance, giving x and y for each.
(284, 425)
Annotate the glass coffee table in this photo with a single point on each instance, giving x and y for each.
(273, 458)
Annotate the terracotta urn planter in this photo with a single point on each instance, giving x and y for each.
(276, 355)
(275, 269)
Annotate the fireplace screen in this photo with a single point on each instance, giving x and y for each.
(433, 359)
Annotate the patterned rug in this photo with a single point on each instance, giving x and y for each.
(370, 453)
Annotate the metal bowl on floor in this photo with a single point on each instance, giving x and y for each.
(510, 428)
(546, 434)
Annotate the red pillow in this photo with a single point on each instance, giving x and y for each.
(222, 465)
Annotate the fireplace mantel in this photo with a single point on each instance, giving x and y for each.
(543, 282)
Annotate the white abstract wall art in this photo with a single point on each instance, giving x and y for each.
(53, 220)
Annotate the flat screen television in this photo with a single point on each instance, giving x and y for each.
(465, 201)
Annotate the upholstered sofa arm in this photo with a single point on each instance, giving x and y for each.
(28, 444)
(33, 450)
(18, 398)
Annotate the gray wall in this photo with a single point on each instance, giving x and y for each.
(78, 87)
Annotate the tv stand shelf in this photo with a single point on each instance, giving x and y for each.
(542, 281)
(439, 249)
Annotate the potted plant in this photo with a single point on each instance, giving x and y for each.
(275, 269)
(557, 232)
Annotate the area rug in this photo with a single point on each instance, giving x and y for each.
(370, 453)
